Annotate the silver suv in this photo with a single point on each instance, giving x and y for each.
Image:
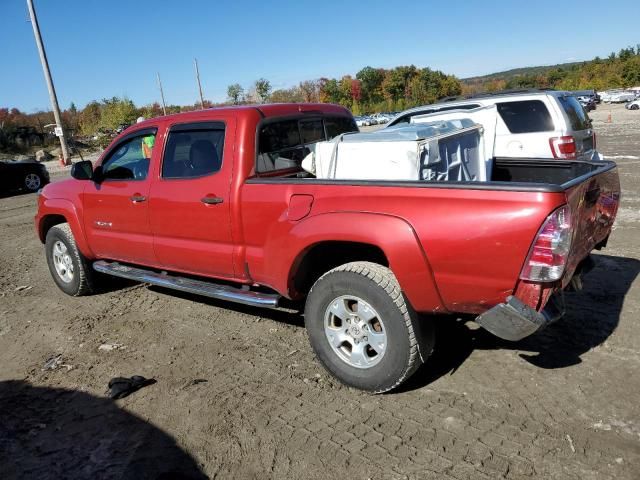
(526, 123)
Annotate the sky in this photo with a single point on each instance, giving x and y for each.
(105, 48)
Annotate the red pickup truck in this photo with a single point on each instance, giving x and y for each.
(215, 203)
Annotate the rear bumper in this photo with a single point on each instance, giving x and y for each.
(514, 320)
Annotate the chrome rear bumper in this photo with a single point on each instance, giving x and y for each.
(514, 320)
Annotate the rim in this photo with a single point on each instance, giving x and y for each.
(32, 181)
(355, 331)
(62, 261)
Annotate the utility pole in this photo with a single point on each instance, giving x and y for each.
(195, 62)
(52, 90)
(164, 106)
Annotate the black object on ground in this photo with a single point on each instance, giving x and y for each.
(120, 387)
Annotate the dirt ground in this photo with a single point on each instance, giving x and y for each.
(239, 394)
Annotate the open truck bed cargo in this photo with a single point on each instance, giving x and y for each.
(434, 151)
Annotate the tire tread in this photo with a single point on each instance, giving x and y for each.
(385, 279)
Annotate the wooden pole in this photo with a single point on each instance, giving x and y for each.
(195, 62)
(164, 106)
(52, 91)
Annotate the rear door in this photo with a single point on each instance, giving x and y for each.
(116, 215)
(579, 126)
(190, 199)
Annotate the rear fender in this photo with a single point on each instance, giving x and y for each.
(65, 208)
(393, 235)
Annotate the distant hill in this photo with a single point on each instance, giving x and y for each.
(519, 72)
(618, 70)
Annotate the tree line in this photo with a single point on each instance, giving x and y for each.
(371, 90)
(618, 70)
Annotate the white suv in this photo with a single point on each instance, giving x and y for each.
(523, 123)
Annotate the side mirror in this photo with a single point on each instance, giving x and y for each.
(82, 170)
(97, 174)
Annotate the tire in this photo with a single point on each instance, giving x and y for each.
(634, 107)
(383, 343)
(70, 270)
(32, 182)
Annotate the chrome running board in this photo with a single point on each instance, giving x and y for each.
(189, 285)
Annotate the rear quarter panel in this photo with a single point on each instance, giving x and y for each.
(469, 244)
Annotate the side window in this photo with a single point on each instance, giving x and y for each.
(526, 116)
(130, 160)
(193, 151)
(577, 116)
(338, 125)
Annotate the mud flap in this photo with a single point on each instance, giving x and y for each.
(514, 320)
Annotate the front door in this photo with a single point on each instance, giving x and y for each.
(116, 207)
(189, 207)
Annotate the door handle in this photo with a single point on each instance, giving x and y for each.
(137, 198)
(211, 200)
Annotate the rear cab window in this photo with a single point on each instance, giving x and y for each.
(526, 116)
(578, 118)
(283, 144)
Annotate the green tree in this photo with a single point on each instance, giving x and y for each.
(371, 82)
(263, 89)
(90, 118)
(329, 90)
(116, 111)
(235, 93)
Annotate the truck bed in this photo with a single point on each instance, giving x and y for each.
(530, 174)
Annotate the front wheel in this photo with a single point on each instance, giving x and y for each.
(69, 268)
(32, 182)
(362, 329)
(634, 107)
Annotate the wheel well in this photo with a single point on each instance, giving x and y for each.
(325, 256)
(48, 222)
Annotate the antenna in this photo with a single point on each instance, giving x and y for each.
(164, 106)
(195, 63)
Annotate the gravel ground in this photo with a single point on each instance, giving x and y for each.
(239, 394)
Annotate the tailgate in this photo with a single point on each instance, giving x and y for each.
(594, 203)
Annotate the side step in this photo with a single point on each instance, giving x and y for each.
(198, 287)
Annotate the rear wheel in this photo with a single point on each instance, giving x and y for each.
(362, 329)
(70, 269)
(634, 107)
(32, 182)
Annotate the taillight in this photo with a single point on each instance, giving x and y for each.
(548, 255)
(563, 147)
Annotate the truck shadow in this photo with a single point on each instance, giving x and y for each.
(592, 316)
(51, 433)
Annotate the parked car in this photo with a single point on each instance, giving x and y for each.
(27, 176)
(618, 96)
(363, 121)
(635, 105)
(527, 123)
(121, 128)
(588, 103)
(223, 209)
(381, 118)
